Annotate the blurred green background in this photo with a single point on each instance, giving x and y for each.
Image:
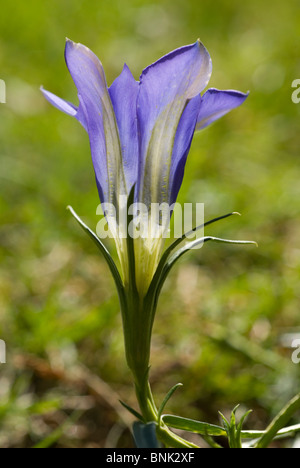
(225, 310)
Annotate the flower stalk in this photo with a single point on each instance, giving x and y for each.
(138, 314)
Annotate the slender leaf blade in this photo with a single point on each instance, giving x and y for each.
(167, 398)
(175, 244)
(279, 422)
(159, 282)
(132, 411)
(191, 425)
(109, 260)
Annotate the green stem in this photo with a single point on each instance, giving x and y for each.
(138, 316)
(279, 422)
(138, 323)
(150, 414)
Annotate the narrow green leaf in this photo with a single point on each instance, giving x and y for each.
(191, 245)
(175, 244)
(195, 243)
(241, 423)
(233, 418)
(238, 430)
(159, 282)
(233, 429)
(109, 260)
(196, 229)
(190, 425)
(225, 422)
(132, 411)
(283, 433)
(288, 431)
(210, 441)
(210, 430)
(167, 398)
(279, 422)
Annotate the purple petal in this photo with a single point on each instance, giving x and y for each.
(59, 103)
(65, 106)
(88, 75)
(123, 93)
(165, 89)
(182, 145)
(215, 104)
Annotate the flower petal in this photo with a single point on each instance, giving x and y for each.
(182, 145)
(215, 104)
(65, 106)
(165, 89)
(88, 75)
(123, 93)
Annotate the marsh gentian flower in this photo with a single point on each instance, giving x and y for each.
(140, 132)
(140, 135)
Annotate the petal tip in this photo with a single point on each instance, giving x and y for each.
(126, 68)
(69, 42)
(71, 45)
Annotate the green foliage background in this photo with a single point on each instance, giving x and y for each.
(225, 309)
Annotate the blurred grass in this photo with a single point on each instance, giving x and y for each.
(224, 309)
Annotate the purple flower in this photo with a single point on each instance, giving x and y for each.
(141, 132)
